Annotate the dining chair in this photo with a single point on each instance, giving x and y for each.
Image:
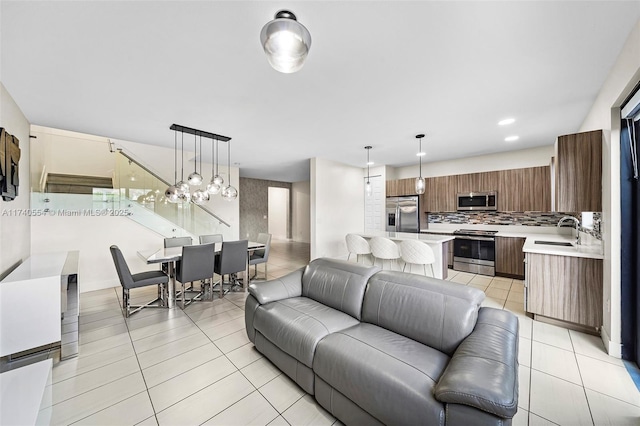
(261, 255)
(384, 249)
(142, 279)
(357, 245)
(175, 242)
(414, 252)
(196, 265)
(213, 238)
(231, 260)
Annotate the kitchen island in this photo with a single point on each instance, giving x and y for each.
(438, 243)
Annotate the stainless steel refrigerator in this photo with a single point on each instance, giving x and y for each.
(403, 214)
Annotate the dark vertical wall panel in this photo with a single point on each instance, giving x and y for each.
(254, 206)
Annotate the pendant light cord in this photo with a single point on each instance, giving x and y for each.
(200, 154)
(420, 153)
(229, 162)
(175, 157)
(182, 158)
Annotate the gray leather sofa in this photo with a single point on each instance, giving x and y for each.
(388, 347)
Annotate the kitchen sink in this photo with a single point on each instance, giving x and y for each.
(555, 243)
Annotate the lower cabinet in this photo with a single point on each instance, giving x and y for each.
(565, 288)
(509, 257)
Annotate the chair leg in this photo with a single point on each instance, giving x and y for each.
(125, 302)
(349, 257)
(432, 274)
(425, 269)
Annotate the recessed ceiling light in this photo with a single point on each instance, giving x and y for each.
(421, 154)
(506, 121)
(511, 138)
(370, 163)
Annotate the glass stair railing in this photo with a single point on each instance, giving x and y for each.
(137, 194)
(142, 192)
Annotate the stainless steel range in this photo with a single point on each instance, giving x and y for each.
(474, 251)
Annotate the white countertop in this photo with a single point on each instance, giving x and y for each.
(592, 251)
(39, 265)
(23, 389)
(400, 236)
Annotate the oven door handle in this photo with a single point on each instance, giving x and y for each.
(465, 237)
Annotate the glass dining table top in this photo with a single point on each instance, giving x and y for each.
(171, 254)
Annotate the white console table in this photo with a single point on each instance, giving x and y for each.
(37, 301)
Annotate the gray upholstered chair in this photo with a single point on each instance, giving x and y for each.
(414, 252)
(262, 255)
(213, 238)
(231, 260)
(142, 279)
(175, 242)
(196, 264)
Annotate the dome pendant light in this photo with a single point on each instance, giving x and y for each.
(367, 186)
(183, 187)
(229, 193)
(420, 183)
(195, 178)
(172, 193)
(199, 196)
(286, 42)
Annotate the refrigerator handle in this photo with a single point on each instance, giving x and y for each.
(398, 218)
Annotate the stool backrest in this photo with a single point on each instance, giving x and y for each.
(417, 252)
(384, 248)
(357, 244)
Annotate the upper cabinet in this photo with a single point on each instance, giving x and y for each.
(396, 188)
(440, 194)
(578, 172)
(525, 190)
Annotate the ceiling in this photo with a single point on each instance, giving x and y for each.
(377, 74)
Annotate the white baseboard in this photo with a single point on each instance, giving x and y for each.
(613, 349)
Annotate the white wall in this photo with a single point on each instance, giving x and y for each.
(532, 157)
(337, 206)
(278, 207)
(93, 236)
(15, 231)
(300, 211)
(605, 114)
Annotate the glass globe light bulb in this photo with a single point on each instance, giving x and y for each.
(229, 193)
(194, 179)
(199, 197)
(172, 194)
(217, 179)
(367, 188)
(420, 185)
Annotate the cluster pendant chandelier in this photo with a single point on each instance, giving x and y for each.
(180, 191)
(420, 183)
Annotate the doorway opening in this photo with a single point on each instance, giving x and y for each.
(279, 213)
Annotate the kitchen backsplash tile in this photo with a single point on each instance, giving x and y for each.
(511, 218)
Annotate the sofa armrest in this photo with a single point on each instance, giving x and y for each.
(282, 288)
(483, 371)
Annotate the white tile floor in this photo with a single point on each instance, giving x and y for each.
(198, 367)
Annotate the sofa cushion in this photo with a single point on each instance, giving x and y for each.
(337, 284)
(386, 374)
(296, 325)
(434, 312)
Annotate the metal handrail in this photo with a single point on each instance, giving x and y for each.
(130, 158)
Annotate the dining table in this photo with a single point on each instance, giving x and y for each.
(171, 255)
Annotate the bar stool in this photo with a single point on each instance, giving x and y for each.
(384, 249)
(357, 245)
(416, 252)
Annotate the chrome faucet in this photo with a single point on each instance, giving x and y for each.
(577, 224)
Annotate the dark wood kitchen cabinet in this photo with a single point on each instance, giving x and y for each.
(565, 288)
(400, 187)
(509, 257)
(578, 172)
(525, 190)
(440, 194)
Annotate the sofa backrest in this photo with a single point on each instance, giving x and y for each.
(337, 283)
(437, 313)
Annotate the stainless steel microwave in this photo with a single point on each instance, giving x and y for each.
(477, 200)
